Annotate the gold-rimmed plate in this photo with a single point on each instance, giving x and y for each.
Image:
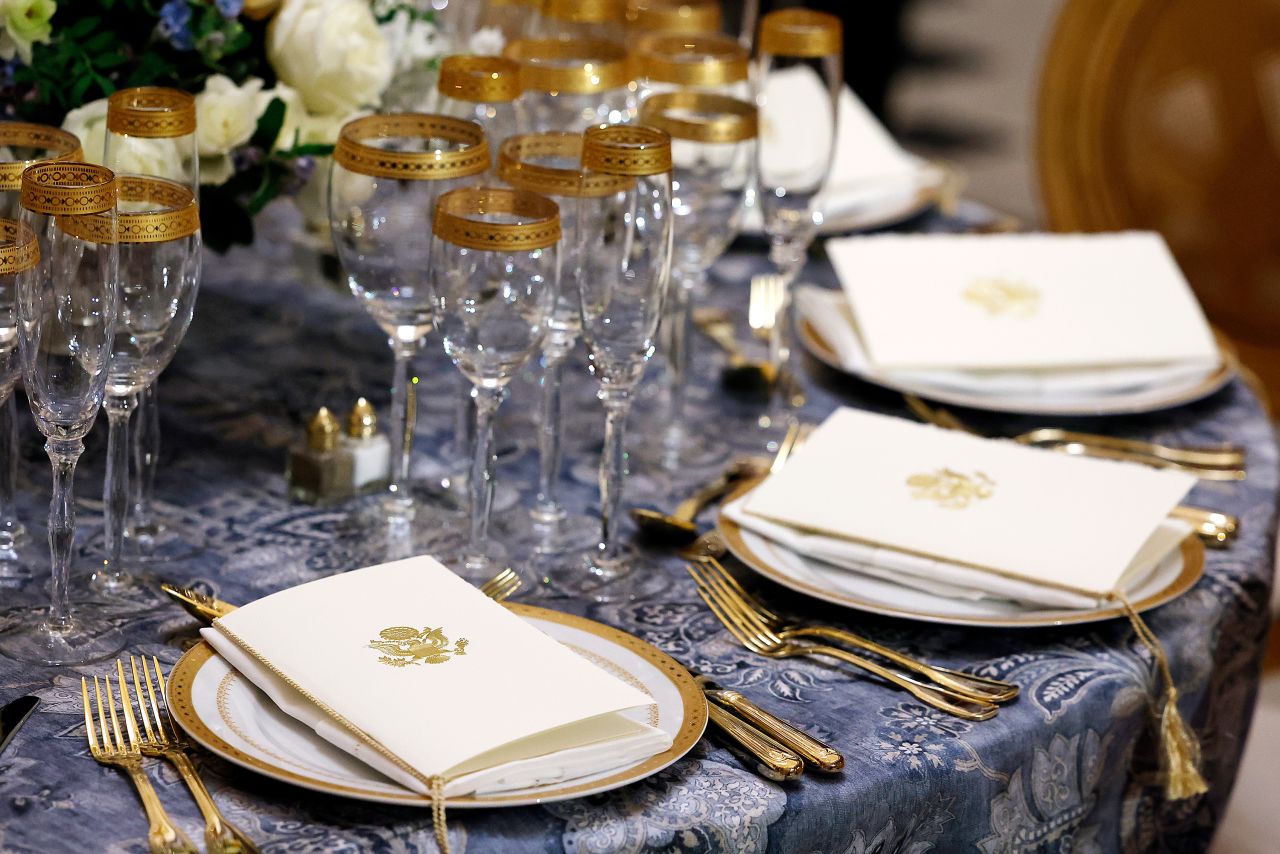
(1153, 399)
(226, 714)
(1175, 575)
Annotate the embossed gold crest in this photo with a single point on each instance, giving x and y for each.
(950, 488)
(1004, 297)
(402, 646)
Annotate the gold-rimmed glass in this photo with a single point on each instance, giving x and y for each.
(486, 90)
(494, 270)
(575, 84)
(686, 17)
(625, 251)
(65, 260)
(511, 18)
(713, 140)
(387, 173)
(704, 62)
(23, 144)
(580, 19)
(151, 133)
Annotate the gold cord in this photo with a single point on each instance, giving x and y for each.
(438, 823)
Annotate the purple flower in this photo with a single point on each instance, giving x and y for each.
(229, 8)
(175, 24)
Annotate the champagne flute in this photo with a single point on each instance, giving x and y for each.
(575, 84)
(67, 260)
(625, 249)
(151, 132)
(387, 173)
(494, 270)
(713, 153)
(24, 144)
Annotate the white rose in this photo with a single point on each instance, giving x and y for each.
(331, 51)
(226, 114)
(487, 41)
(411, 43)
(130, 155)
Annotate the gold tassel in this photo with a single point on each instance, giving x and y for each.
(437, 814)
(1180, 752)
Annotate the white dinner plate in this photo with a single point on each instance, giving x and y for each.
(1175, 575)
(1151, 399)
(226, 714)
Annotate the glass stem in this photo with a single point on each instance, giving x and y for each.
(115, 491)
(464, 421)
(546, 508)
(403, 416)
(617, 405)
(10, 526)
(146, 457)
(487, 401)
(681, 318)
(63, 454)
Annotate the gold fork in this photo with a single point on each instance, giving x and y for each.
(220, 835)
(974, 687)
(163, 837)
(753, 634)
(501, 585)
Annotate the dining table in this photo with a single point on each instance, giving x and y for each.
(1072, 765)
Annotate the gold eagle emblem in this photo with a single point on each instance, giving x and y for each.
(402, 646)
(1004, 297)
(951, 489)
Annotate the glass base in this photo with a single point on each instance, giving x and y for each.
(129, 593)
(382, 530)
(13, 570)
(163, 541)
(12, 535)
(677, 449)
(551, 534)
(597, 578)
(479, 567)
(27, 635)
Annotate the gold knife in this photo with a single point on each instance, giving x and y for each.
(203, 607)
(753, 748)
(822, 756)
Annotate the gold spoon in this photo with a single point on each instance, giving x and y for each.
(678, 527)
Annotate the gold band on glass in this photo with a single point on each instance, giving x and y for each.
(355, 154)
(174, 214)
(800, 32)
(480, 79)
(626, 150)
(675, 16)
(700, 116)
(577, 66)
(585, 11)
(58, 145)
(68, 188)
(538, 228)
(151, 111)
(19, 249)
(709, 59)
(515, 167)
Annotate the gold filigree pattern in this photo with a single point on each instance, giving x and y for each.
(173, 214)
(1002, 297)
(801, 33)
(577, 66)
(404, 646)
(675, 16)
(480, 79)
(706, 59)
(457, 211)
(354, 152)
(60, 145)
(585, 11)
(19, 249)
(515, 167)
(92, 228)
(626, 150)
(65, 189)
(951, 489)
(700, 116)
(154, 112)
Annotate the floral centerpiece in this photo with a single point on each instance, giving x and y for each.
(274, 81)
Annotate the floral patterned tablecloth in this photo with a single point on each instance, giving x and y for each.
(1069, 767)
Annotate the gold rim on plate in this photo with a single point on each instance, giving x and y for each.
(355, 153)
(182, 681)
(575, 66)
(1192, 550)
(704, 59)
(701, 116)
(61, 145)
(516, 167)
(801, 33)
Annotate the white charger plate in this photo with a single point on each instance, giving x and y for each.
(1152, 399)
(225, 713)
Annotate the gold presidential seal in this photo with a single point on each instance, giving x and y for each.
(402, 646)
(950, 488)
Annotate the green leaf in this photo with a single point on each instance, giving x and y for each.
(269, 124)
(311, 149)
(81, 28)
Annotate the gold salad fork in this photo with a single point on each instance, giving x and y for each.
(966, 684)
(163, 837)
(220, 835)
(757, 637)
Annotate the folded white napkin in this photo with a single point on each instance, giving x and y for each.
(828, 312)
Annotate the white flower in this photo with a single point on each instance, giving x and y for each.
(331, 51)
(22, 24)
(487, 41)
(130, 155)
(411, 43)
(226, 114)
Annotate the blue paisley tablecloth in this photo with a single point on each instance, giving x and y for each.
(1069, 767)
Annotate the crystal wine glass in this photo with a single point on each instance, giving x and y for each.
(22, 145)
(67, 256)
(625, 250)
(575, 84)
(151, 132)
(494, 270)
(387, 173)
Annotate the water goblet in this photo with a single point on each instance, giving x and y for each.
(625, 250)
(67, 261)
(486, 90)
(494, 270)
(575, 84)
